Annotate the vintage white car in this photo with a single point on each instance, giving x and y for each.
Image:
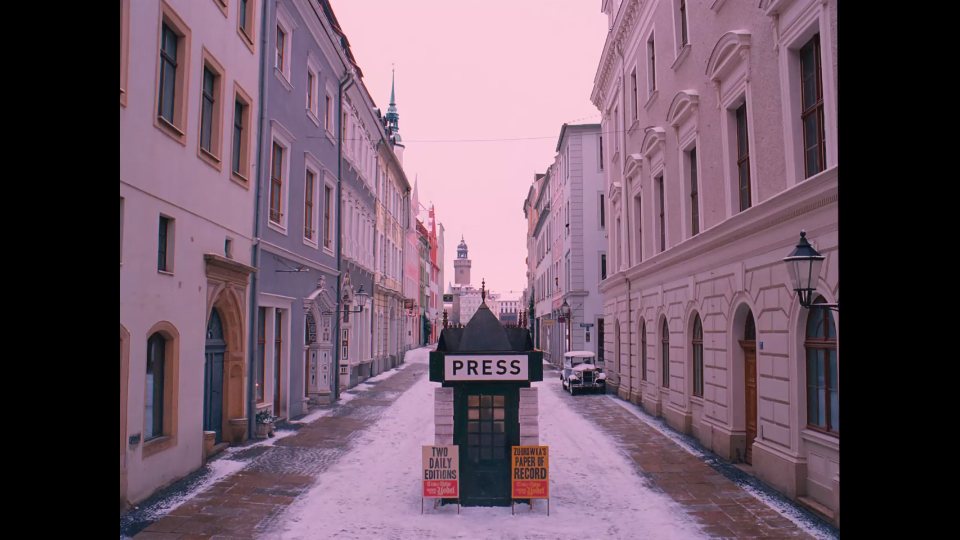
(580, 373)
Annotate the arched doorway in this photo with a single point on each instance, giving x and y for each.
(213, 377)
(749, 346)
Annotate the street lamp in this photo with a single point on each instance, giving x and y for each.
(363, 300)
(565, 312)
(804, 268)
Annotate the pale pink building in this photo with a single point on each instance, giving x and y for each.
(720, 145)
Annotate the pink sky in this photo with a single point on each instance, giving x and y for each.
(496, 69)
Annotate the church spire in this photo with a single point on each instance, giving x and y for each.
(392, 116)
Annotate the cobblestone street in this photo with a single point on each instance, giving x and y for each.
(249, 502)
(253, 502)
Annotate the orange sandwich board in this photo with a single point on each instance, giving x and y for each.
(530, 473)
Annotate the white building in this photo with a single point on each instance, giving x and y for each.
(188, 114)
(584, 237)
(720, 145)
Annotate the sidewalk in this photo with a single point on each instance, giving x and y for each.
(727, 502)
(247, 503)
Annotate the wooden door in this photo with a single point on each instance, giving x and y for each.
(750, 395)
(488, 427)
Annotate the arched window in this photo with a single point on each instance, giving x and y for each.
(156, 368)
(643, 349)
(823, 390)
(665, 353)
(697, 357)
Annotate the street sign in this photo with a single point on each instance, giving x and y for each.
(586, 325)
(561, 320)
(496, 367)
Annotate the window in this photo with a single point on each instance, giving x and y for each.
(156, 371)
(643, 350)
(276, 183)
(327, 198)
(652, 56)
(211, 107)
(165, 243)
(277, 348)
(601, 152)
(328, 116)
(240, 162)
(823, 390)
(603, 212)
(697, 357)
(683, 23)
(306, 357)
(743, 158)
(665, 354)
(694, 193)
(168, 72)
(309, 225)
(245, 22)
(121, 230)
(261, 353)
(636, 99)
(603, 266)
(281, 45)
(124, 48)
(310, 83)
(173, 71)
(663, 217)
(814, 135)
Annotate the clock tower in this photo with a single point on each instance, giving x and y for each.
(462, 264)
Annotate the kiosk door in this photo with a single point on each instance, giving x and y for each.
(489, 428)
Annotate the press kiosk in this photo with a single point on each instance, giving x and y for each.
(486, 405)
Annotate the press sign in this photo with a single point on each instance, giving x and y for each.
(496, 367)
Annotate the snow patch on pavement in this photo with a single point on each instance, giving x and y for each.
(219, 469)
(372, 492)
(786, 510)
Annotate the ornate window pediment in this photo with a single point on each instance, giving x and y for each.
(318, 308)
(732, 48)
(613, 193)
(653, 141)
(632, 165)
(684, 104)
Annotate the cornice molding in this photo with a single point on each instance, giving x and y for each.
(622, 28)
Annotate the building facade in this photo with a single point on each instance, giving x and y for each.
(293, 363)
(510, 312)
(392, 190)
(189, 95)
(412, 318)
(720, 145)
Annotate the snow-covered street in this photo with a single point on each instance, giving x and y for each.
(374, 491)
(353, 471)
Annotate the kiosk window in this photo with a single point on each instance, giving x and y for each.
(486, 439)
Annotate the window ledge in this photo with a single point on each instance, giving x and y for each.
(155, 446)
(313, 117)
(123, 97)
(696, 400)
(247, 40)
(277, 227)
(329, 251)
(210, 159)
(653, 97)
(633, 127)
(240, 179)
(310, 243)
(330, 137)
(165, 272)
(170, 130)
(684, 53)
(828, 440)
(283, 79)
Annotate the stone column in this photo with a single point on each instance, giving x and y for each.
(443, 416)
(529, 417)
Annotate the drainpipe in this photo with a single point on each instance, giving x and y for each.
(255, 256)
(345, 85)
